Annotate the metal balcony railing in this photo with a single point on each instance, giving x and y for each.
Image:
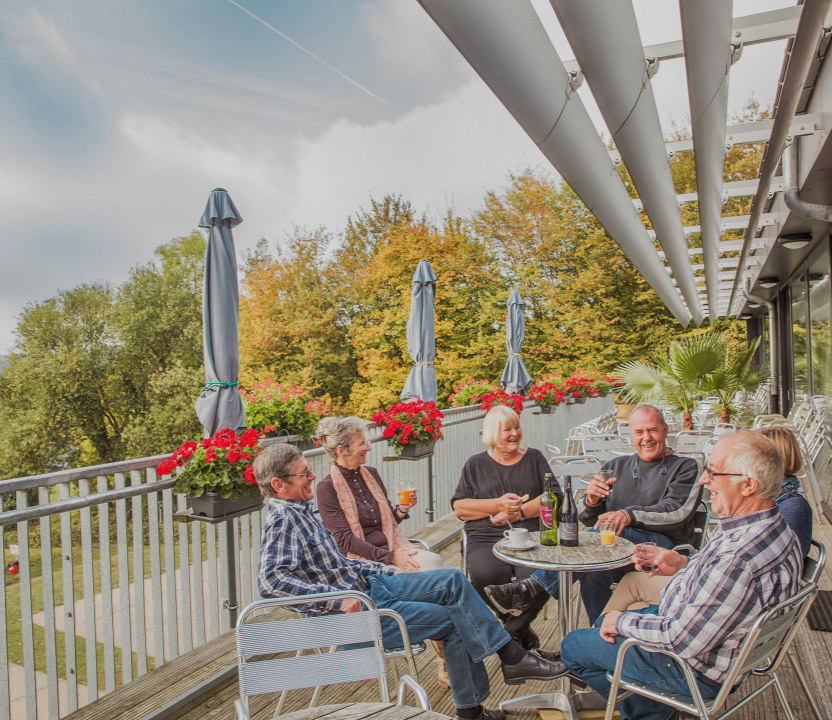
(112, 584)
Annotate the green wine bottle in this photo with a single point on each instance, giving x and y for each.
(548, 513)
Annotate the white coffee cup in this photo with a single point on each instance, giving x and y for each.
(516, 537)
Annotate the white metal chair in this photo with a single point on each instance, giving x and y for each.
(344, 647)
(691, 440)
(603, 446)
(553, 450)
(581, 468)
(760, 654)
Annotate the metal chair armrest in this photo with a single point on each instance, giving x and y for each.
(406, 681)
(417, 541)
(690, 678)
(411, 663)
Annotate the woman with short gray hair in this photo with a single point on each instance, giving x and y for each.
(353, 501)
(499, 485)
(354, 507)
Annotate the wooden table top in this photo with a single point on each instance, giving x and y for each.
(356, 711)
(588, 556)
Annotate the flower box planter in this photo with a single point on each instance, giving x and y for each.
(297, 441)
(417, 452)
(547, 409)
(212, 505)
(580, 400)
(569, 400)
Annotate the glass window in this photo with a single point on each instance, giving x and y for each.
(819, 314)
(799, 340)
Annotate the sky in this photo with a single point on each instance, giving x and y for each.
(117, 119)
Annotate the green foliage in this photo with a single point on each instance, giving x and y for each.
(100, 373)
(470, 392)
(283, 409)
(93, 367)
(692, 368)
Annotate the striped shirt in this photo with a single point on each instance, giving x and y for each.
(299, 556)
(751, 563)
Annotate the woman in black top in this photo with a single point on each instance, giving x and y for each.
(503, 483)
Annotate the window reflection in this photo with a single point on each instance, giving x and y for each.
(799, 329)
(819, 314)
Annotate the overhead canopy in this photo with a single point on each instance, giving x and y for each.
(696, 270)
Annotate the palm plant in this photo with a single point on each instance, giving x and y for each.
(736, 373)
(675, 379)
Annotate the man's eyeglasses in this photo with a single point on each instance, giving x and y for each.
(712, 474)
(306, 474)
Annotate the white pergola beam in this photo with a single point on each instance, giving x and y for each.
(749, 30)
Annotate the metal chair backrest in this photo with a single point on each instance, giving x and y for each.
(688, 440)
(696, 455)
(701, 527)
(813, 566)
(760, 653)
(594, 443)
(581, 468)
(353, 643)
(763, 649)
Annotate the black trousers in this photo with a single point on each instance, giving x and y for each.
(485, 569)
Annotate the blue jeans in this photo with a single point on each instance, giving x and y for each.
(590, 657)
(443, 605)
(595, 586)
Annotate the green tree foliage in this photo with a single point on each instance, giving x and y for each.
(586, 304)
(63, 382)
(98, 375)
(158, 317)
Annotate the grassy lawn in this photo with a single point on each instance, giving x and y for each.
(13, 612)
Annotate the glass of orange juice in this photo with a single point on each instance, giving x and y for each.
(607, 530)
(406, 493)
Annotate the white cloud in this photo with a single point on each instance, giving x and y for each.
(413, 47)
(448, 153)
(39, 43)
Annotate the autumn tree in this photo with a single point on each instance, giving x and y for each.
(289, 318)
(586, 304)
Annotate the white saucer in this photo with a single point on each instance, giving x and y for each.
(528, 546)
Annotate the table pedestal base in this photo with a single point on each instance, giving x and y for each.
(567, 703)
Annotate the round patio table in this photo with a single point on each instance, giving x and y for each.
(589, 556)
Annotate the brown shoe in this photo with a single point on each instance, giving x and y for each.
(546, 655)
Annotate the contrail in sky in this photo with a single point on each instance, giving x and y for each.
(308, 52)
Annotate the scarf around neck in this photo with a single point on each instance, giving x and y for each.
(395, 538)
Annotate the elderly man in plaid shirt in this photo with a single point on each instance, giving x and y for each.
(752, 562)
(299, 556)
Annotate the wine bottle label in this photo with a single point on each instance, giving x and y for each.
(546, 515)
(567, 531)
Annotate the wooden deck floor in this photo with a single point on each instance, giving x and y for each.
(814, 651)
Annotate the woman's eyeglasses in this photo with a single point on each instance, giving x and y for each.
(362, 444)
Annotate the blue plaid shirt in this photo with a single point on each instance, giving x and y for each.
(299, 556)
(751, 563)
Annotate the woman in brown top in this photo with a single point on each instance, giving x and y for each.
(353, 502)
(354, 507)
